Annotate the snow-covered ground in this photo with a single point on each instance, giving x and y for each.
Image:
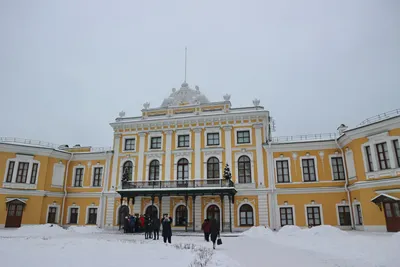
(89, 246)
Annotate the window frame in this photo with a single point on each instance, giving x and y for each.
(157, 145)
(184, 164)
(154, 170)
(359, 215)
(243, 180)
(55, 216)
(335, 168)
(82, 176)
(70, 214)
(289, 180)
(184, 141)
(97, 181)
(342, 213)
(368, 157)
(383, 157)
(396, 147)
(212, 135)
(88, 215)
(247, 224)
(22, 173)
(131, 167)
(238, 138)
(132, 145)
(183, 213)
(321, 215)
(10, 171)
(286, 207)
(308, 158)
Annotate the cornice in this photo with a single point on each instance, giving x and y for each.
(375, 183)
(309, 190)
(40, 151)
(300, 146)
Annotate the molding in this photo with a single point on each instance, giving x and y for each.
(24, 159)
(57, 206)
(123, 143)
(183, 153)
(210, 130)
(154, 135)
(183, 132)
(276, 169)
(250, 130)
(35, 150)
(375, 183)
(301, 146)
(251, 157)
(309, 190)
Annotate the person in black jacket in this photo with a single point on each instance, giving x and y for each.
(214, 230)
(156, 228)
(147, 227)
(167, 230)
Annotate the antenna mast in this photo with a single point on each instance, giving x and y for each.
(185, 62)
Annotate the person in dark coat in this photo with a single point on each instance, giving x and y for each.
(126, 224)
(132, 222)
(214, 230)
(137, 224)
(156, 228)
(147, 227)
(167, 230)
(206, 229)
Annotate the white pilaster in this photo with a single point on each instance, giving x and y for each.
(263, 210)
(168, 148)
(259, 152)
(228, 146)
(142, 137)
(197, 153)
(138, 205)
(117, 138)
(102, 205)
(226, 214)
(110, 212)
(166, 203)
(271, 203)
(197, 214)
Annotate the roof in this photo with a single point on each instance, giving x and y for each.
(382, 197)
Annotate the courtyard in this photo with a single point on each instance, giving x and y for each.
(47, 245)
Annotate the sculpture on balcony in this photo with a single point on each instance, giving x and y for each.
(125, 177)
(227, 173)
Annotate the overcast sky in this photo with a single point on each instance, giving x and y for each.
(68, 67)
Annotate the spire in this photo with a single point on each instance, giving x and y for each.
(185, 62)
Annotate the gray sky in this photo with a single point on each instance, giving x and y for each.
(67, 69)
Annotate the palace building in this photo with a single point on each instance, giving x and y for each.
(174, 159)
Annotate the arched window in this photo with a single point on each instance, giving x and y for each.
(152, 211)
(244, 167)
(246, 215)
(183, 169)
(181, 215)
(213, 170)
(154, 170)
(127, 169)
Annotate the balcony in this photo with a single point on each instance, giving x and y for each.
(178, 187)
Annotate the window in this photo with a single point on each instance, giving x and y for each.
(181, 215)
(92, 216)
(313, 216)
(51, 218)
(344, 215)
(154, 170)
(97, 174)
(246, 215)
(286, 216)
(213, 139)
(388, 210)
(183, 140)
(73, 217)
(243, 137)
(130, 144)
(34, 173)
(309, 174)
(383, 156)
(127, 170)
(22, 172)
(369, 158)
(155, 142)
(78, 177)
(244, 167)
(337, 168)
(397, 151)
(359, 215)
(282, 171)
(213, 170)
(10, 171)
(183, 169)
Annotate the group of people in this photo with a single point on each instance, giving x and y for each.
(211, 229)
(150, 226)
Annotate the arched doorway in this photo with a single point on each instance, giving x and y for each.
(123, 212)
(152, 211)
(15, 209)
(213, 212)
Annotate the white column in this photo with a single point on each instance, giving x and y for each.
(166, 203)
(110, 212)
(197, 153)
(272, 204)
(142, 138)
(228, 146)
(102, 206)
(138, 205)
(263, 210)
(168, 149)
(115, 166)
(259, 152)
(226, 214)
(197, 214)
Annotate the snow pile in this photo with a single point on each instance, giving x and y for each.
(258, 232)
(84, 229)
(289, 230)
(325, 230)
(35, 231)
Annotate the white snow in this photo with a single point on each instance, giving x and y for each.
(47, 245)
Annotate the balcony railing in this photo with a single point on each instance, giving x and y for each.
(380, 117)
(178, 184)
(304, 138)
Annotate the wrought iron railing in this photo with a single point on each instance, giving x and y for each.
(304, 137)
(173, 184)
(380, 117)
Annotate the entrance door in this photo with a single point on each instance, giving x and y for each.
(123, 212)
(152, 211)
(392, 215)
(213, 212)
(14, 214)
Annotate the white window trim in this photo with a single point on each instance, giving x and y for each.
(176, 159)
(209, 155)
(251, 156)
(92, 176)
(357, 222)
(315, 165)
(244, 129)
(321, 212)
(209, 131)
(293, 213)
(174, 212)
(87, 215)
(350, 164)
(337, 214)
(183, 132)
(69, 215)
(149, 159)
(276, 170)
(152, 135)
(124, 140)
(254, 214)
(74, 175)
(17, 160)
(57, 206)
(121, 166)
(331, 166)
(58, 164)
